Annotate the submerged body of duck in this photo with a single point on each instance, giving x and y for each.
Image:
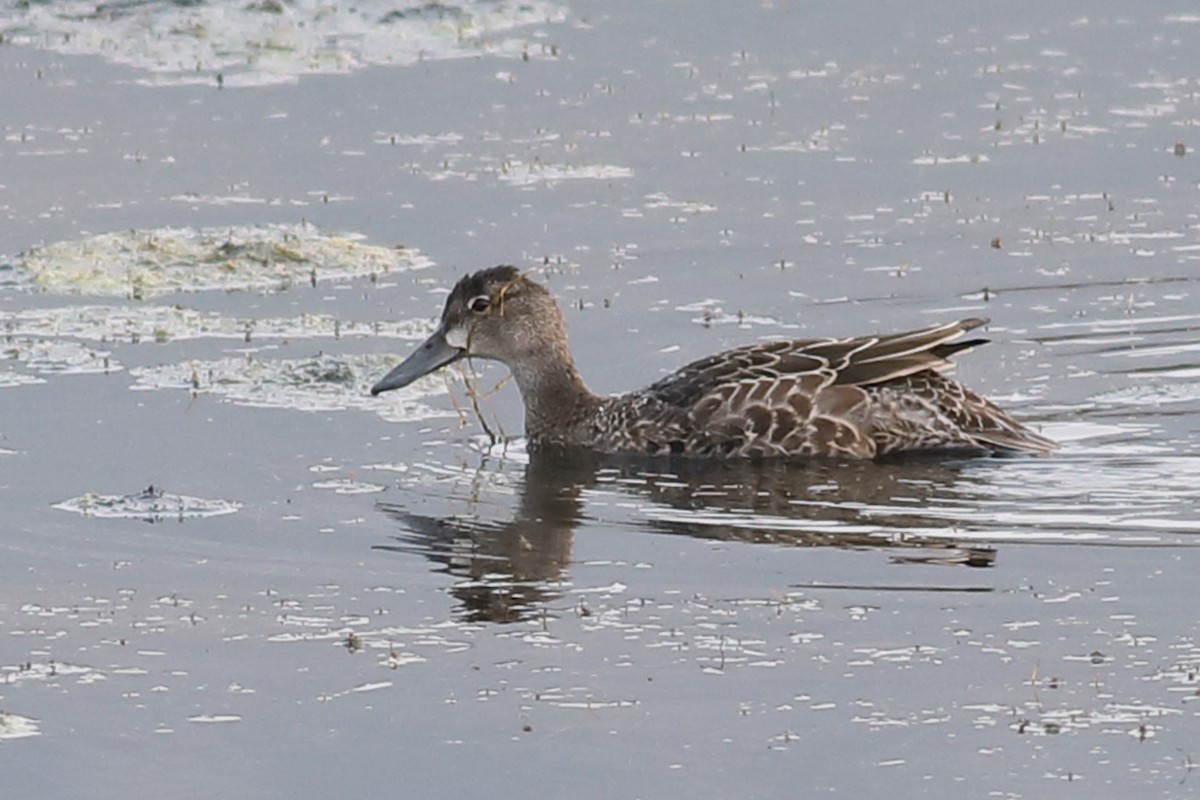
(862, 397)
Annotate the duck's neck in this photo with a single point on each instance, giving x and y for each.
(558, 404)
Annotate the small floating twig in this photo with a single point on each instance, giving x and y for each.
(473, 393)
(462, 415)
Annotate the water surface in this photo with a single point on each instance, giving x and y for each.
(390, 602)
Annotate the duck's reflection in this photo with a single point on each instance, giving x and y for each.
(509, 569)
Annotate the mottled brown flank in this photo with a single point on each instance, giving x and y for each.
(860, 397)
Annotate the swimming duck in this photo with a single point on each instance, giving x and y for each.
(862, 397)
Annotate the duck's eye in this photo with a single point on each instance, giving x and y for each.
(480, 304)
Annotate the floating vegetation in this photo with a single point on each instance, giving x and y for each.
(155, 323)
(144, 263)
(1153, 394)
(53, 357)
(709, 312)
(424, 140)
(929, 160)
(270, 42)
(657, 200)
(320, 383)
(151, 505)
(521, 174)
(13, 726)
(1131, 718)
(453, 162)
(348, 486)
(817, 142)
(32, 671)
(10, 379)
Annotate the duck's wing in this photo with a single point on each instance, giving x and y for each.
(856, 361)
(801, 397)
(684, 387)
(868, 360)
(930, 411)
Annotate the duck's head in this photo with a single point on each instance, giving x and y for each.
(495, 313)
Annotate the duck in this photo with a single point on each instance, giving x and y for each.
(864, 397)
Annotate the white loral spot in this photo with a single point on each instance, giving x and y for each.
(457, 337)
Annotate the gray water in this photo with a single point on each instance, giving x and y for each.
(226, 571)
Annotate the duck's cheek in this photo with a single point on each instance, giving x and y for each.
(458, 338)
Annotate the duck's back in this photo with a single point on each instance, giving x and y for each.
(859, 397)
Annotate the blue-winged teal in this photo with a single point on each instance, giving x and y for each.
(861, 398)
